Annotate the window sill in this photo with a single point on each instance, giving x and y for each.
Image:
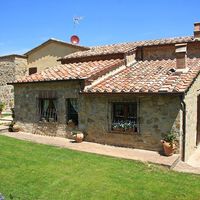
(47, 122)
(123, 132)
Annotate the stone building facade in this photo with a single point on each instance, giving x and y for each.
(130, 95)
(12, 67)
(157, 115)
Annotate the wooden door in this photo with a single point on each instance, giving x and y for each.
(198, 119)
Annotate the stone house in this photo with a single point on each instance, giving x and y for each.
(13, 67)
(129, 94)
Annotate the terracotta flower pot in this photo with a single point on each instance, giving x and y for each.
(79, 137)
(168, 148)
(16, 128)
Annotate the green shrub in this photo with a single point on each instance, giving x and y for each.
(2, 106)
(170, 138)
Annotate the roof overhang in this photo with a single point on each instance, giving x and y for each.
(48, 81)
(133, 93)
(12, 56)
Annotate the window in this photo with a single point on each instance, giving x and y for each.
(72, 110)
(124, 116)
(32, 70)
(48, 109)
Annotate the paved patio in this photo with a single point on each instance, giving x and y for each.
(192, 165)
(172, 162)
(121, 152)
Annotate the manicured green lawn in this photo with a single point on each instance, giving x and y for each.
(34, 171)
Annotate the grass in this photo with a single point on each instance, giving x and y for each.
(35, 171)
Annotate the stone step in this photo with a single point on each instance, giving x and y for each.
(6, 119)
(3, 128)
(175, 163)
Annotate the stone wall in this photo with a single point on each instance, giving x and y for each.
(7, 70)
(26, 106)
(11, 67)
(167, 51)
(193, 50)
(159, 52)
(20, 67)
(157, 115)
(191, 118)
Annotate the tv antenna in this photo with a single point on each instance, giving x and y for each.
(76, 21)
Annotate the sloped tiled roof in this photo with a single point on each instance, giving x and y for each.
(125, 47)
(149, 76)
(112, 76)
(84, 70)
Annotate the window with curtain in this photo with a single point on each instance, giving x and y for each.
(72, 110)
(48, 109)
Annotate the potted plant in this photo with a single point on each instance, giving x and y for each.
(78, 136)
(123, 126)
(168, 144)
(128, 126)
(116, 126)
(13, 127)
(2, 106)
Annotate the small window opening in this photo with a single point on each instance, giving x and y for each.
(32, 70)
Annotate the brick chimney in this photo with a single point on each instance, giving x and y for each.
(197, 30)
(181, 55)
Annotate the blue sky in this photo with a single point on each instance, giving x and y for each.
(27, 23)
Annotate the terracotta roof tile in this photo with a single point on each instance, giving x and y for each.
(85, 70)
(149, 76)
(125, 47)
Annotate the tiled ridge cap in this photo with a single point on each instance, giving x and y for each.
(106, 70)
(147, 41)
(107, 56)
(104, 77)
